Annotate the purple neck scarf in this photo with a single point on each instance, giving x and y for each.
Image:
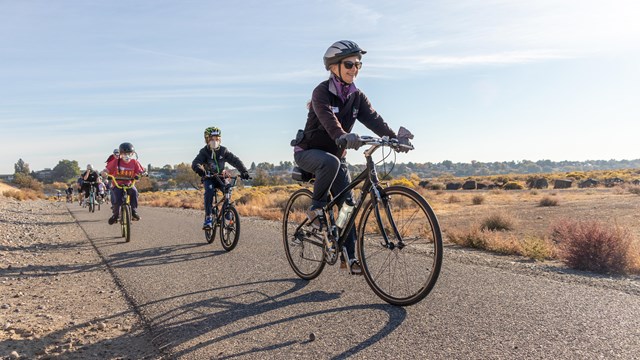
(344, 89)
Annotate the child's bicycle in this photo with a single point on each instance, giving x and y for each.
(91, 201)
(224, 214)
(125, 207)
(399, 243)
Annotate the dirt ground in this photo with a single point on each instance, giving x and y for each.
(57, 298)
(615, 206)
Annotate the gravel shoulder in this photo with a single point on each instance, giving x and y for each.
(57, 297)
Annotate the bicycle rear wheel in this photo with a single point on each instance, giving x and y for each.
(125, 220)
(92, 206)
(210, 235)
(229, 228)
(304, 247)
(402, 269)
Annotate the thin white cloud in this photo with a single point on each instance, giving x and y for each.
(423, 62)
(365, 15)
(189, 59)
(295, 76)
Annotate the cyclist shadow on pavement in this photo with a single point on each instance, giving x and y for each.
(227, 314)
(157, 255)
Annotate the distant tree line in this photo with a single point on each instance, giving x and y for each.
(181, 175)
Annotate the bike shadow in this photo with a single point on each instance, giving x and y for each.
(221, 309)
(160, 255)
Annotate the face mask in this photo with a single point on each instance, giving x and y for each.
(214, 144)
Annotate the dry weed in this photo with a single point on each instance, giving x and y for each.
(24, 194)
(498, 222)
(477, 200)
(595, 246)
(548, 201)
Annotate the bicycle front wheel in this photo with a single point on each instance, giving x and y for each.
(126, 222)
(92, 204)
(230, 228)
(304, 247)
(400, 246)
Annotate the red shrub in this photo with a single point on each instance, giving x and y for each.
(594, 246)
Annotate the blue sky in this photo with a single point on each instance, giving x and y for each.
(490, 80)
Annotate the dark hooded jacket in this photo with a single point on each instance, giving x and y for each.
(215, 161)
(329, 117)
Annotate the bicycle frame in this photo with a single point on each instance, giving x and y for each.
(371, 187)
(227, 190)
(125, 194)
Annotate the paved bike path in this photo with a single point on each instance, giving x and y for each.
(204, 303)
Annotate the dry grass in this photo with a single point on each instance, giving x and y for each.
(634, 189)
(24, 194)
(498, 222)
(548, 201)
(255, 201)
(504, 243)
(595, 246)
(477, 200)
(453, 199)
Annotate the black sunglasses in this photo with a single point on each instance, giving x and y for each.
(351, 64)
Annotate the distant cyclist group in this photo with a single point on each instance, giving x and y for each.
(311, 234)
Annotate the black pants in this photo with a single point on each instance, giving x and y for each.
(332, 175)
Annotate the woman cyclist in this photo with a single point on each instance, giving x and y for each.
(335, 106)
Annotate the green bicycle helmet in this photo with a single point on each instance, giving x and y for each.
(211, 131)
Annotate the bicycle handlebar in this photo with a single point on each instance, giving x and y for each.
(115, 182)
(211, 176)
(375, 141)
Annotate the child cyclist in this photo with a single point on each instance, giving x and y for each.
(124, 166)
(212, 159)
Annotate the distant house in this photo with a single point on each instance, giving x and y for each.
(6, 177)
(159, 175)
(537, 183)
(562, 184)
(470, 185)
(611, 182)
(45, 175)
(589, 183)
(453, 186)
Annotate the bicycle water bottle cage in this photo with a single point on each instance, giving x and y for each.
(300, 175)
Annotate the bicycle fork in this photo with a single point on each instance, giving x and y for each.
(383, 201)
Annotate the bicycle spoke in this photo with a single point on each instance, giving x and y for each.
(401, 275)
(303, 247)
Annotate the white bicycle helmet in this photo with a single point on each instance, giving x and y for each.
(340, 50)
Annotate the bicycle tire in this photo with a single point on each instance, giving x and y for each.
(229, 228)
(305, 253)
(123, 231)
(126, 222)
(400, 275)
(92, 206)
(210, 235)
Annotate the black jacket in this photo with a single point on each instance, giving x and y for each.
(329, 118)
(214, 161)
